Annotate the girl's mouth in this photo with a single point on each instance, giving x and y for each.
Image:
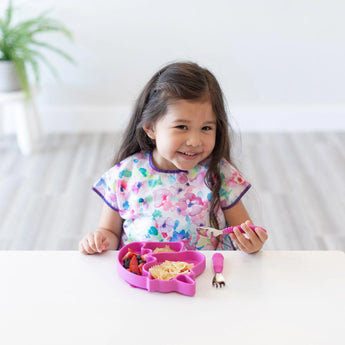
(189, 155)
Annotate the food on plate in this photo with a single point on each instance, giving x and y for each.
(163, 249)
(134, 262)
(170, 269)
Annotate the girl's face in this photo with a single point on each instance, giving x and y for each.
(184, 136)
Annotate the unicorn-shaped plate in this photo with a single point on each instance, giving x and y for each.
(183, 283)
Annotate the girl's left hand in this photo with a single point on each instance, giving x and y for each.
(251, 241)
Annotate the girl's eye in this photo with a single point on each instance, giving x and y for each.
(181, 127)
(207, 128)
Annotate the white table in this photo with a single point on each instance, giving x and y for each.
(27, 123)
(274, 297)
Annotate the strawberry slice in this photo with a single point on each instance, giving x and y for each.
(141, 268)
(133, 265)
(129, 254)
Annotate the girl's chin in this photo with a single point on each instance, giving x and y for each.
(177, 165)
(186, 165)
(179, 162)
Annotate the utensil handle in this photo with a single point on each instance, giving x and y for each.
(231, 229)
(218, 260)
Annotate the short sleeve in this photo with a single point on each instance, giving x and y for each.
(233, 187)
(106, 188)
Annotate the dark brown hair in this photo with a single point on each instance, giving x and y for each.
(188, 81)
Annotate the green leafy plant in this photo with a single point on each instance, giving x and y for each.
(19, 44)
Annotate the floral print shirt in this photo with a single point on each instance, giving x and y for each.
(161, 205)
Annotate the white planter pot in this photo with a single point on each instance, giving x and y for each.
(9, 80)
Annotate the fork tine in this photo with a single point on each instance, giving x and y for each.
(218, 280)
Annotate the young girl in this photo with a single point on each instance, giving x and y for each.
(173, 171)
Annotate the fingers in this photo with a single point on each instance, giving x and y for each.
(94, 242)
(244, 241)
(250, 241)
(239, 245)
(81, 247)
(261, 234)
(98, 242)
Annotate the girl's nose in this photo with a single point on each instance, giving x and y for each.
(193, 139)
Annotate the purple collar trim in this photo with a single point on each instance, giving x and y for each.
(164, 171)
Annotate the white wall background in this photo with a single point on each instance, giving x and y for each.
(280, 63)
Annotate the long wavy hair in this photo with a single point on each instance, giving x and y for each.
(187, 81)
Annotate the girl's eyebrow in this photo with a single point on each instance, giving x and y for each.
(212, 122)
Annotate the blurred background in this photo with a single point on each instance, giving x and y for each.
(285, 59)
(281, 67)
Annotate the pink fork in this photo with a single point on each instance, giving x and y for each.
(218, 279)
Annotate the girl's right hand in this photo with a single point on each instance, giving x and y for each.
(94, 242)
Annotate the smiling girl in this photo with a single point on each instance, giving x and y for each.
(173, 172)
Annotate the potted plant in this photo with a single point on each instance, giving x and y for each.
(20, 50)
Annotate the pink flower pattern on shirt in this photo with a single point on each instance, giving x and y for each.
(161, 205)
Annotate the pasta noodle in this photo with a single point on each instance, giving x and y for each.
(163, 249)
(170, 269)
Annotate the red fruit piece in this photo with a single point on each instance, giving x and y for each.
(141, 268)
(133, 265)
(129, 254)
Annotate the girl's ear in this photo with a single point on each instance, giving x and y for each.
(149, 130)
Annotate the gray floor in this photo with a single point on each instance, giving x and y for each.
(298, 191)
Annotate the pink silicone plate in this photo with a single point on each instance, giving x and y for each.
(183, 283)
